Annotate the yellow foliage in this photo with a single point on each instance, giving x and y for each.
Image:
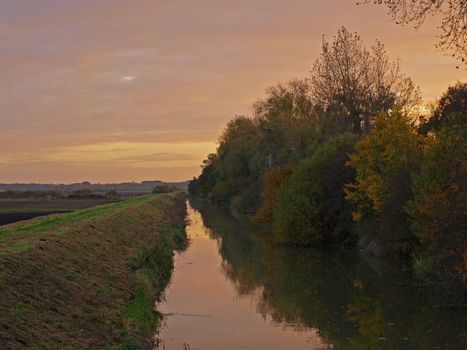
(272, 182)
(391, 145)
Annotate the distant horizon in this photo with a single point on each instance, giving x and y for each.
(89, 182)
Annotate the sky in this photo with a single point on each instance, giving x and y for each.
(118, 90)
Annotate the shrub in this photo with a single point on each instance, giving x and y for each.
(273, 180)
(112, 194)
(311, 207)
(164, 189)
(84, 194)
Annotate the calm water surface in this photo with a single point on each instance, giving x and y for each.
(232, 290)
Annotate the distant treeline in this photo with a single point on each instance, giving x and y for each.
(84, 193)
(9, 194)
(144, 186)
(165, 189)
(345, 157)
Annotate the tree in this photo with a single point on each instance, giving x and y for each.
(450, 109)
(362, 82)
(163, 189)
(204, 184)
(112, 194)
(282, 118)
(236, 146)
(453, 26)
(391, 144)
(85, 193)
(274, 179)
(384, 161)
(229, 175)
(311, 207)
(280, 132)
(437, 211)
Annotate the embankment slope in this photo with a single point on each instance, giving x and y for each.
(88, 279)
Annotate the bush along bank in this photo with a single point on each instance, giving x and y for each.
(89, 279)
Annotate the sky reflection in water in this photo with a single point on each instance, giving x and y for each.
(232, 291)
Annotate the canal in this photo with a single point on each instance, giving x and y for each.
(231, 289)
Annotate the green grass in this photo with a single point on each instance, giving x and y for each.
(141, 312)
(128, 344)
(153, 268)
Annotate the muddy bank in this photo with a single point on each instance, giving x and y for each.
(88, 279)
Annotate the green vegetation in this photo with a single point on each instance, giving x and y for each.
(112, 194)
(344, 157)
(273, 180)
(50, 222)
(100, 271)
(153, 269)
(164, 189)
(311, 207)
(384, 160)
(438, 206)
(84, 194)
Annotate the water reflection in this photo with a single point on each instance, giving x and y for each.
(351, 303)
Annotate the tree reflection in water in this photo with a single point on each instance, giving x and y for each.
(353, 302)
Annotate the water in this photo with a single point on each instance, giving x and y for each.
(233, 290)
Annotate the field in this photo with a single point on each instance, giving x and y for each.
(52, 206)
(13, 210)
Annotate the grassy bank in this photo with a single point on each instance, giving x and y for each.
(88, 279)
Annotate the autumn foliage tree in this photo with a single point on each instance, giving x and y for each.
(384, 161)
(340, 158)
(274, 179)
(438, 208)
(280, 132)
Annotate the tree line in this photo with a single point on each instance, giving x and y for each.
(345, 157)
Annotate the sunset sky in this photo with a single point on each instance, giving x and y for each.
(118, 90)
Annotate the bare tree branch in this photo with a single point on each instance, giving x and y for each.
(453, 36)
(362, 81)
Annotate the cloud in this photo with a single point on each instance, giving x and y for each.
(135, 158)
(85, 72)
(123, 152)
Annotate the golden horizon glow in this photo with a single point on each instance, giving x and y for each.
(114, 90)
